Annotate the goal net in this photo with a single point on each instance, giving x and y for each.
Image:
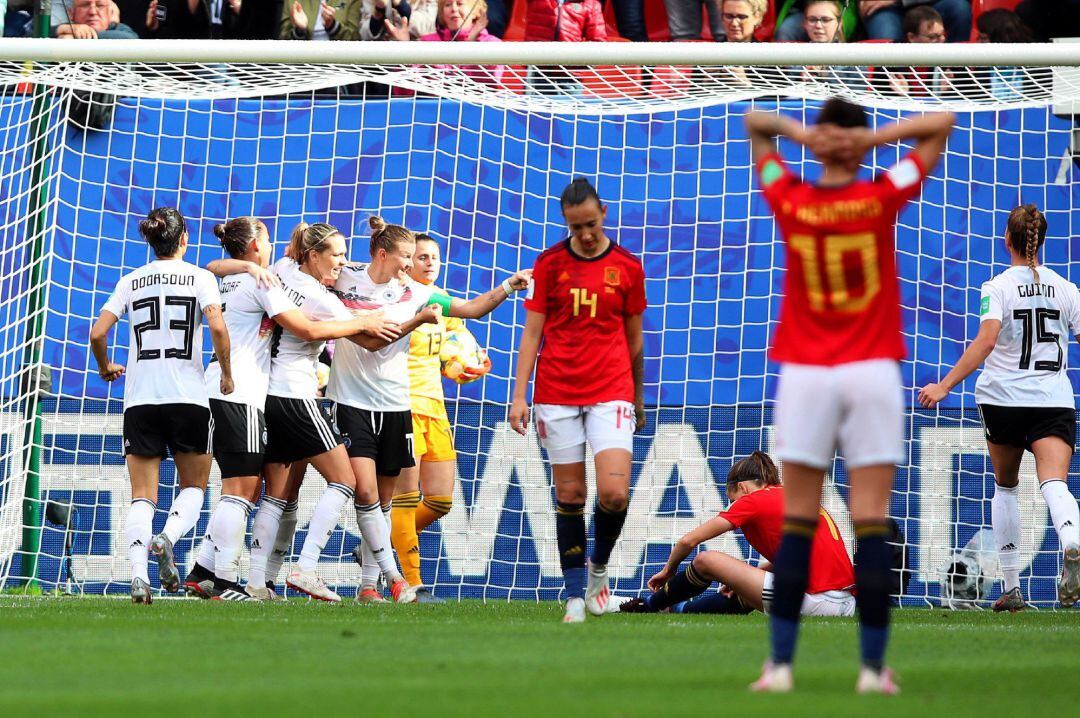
(474, 149)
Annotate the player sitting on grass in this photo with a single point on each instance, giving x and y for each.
(757, 507)
(1025, 397)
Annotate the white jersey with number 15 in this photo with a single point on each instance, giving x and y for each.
(1038, 320)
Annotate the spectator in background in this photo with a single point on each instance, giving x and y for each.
(465, 21)
(821, 21)
(397, 20)
(235, 19)
(629, 18)
(791, 14)
(884, 19)
(565, 21)
(89, 19)
(684, 19)
(1006, 83)
(320, 20)
(922, 25)
(742, 18)
(178, 19)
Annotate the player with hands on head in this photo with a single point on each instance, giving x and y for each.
(369, 384)
(757, 507)
(165, 400)
(583, 335)
(1025, 398)
(839, 344)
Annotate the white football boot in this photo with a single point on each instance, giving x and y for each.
(309, 582)
(597, 593)
(774, 679)
(871, 681)
(575, 611)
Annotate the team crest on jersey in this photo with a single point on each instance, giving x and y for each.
(611, 276)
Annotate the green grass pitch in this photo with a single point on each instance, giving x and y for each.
(105, 657)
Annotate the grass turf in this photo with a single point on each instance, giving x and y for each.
(97, 656)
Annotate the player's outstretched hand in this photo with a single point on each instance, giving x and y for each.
(657, 582)
(639, 416)
(931, 395)
(264, 276)
(521, 279)
(519, 416)
(378, 326)
(111, 371)
(226, 384)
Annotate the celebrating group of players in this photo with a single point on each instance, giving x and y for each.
(838, 342)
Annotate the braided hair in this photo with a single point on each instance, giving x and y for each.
(1027, 232)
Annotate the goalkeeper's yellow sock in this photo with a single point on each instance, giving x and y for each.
(403, 535)
(433, 509)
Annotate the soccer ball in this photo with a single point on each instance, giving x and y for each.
(462, 359)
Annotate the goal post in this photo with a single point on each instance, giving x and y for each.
(473, 142)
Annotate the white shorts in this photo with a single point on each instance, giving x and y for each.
(856, 407)
(829, 603)
(563, 429)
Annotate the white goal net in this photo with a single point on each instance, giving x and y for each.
(474, 148)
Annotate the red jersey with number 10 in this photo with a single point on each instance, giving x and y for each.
(584, 358)
(841, 293)
(760, 515)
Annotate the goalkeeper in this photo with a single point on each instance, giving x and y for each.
(433, 438)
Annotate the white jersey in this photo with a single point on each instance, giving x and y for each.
(166, 300)
(1027, 366)
(294, 362)
(379, 380)
(249, 311)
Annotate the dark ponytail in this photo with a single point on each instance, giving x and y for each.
(237, 234)
(578, 192)
(163, 229)
(758, 467)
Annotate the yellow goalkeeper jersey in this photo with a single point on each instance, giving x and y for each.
(425, 375)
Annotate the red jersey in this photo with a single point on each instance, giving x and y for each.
(584, 358)
(841, 293)
(760, 515)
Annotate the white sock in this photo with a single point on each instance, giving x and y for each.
(322, 524)
(283, 542)
(138, 528)
(1005, 518)
(1064, 512)
(375, 548)
(206, 557)
(229, 525)
(263, 532)
(184, 513)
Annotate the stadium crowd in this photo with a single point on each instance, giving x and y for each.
(558, 20)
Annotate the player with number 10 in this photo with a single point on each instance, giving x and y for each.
(839, 344)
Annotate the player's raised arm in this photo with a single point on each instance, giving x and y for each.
(485, 303)
(930, 133)
(99, 346)
(764, 128)
(228, 266)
